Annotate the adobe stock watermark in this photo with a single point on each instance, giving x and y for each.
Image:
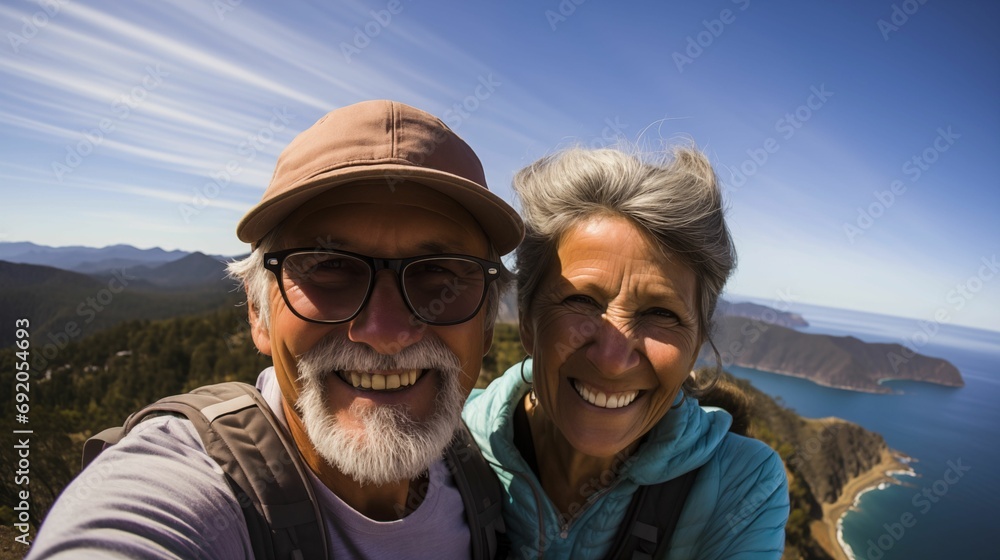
(87, 310)
(247, 148)
(224, 7)
(612, 133)
(462, 110)
(922, 502)
(958, 298)
(236, 339)
(964, 292)
(454, 117)
(714, 28)
(748, 508)
(32, 25)
(786, 127)
(89, 482)
(121, 107)
(563, 11)
(914, 168)
(898, 16)
(602, 482)
(579, 334)
(416, 493)
(364, 34)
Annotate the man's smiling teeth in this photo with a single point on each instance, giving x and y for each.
(380, 382)
(604, 400)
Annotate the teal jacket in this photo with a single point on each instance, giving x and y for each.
(737, 507)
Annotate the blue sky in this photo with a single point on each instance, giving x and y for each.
(158, 123)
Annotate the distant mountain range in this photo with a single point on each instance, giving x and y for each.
(87, 260)
(761, 313)
(64, 305)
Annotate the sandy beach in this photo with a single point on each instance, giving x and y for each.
(825, 532)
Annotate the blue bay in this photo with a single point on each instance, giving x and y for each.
(949, 509)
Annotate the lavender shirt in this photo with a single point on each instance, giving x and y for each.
(157, 494)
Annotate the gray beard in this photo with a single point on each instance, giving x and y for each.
(391, 446)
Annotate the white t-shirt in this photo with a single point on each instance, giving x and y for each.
(157, 494)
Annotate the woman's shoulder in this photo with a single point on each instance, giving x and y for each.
(500, 390)
(744, 458)
(750, 482)
(741, 446)
(742, 493)
(486, 409)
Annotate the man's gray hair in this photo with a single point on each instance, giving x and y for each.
(257, 280)
(674, 198)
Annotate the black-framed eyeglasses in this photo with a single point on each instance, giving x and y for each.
(327, 286)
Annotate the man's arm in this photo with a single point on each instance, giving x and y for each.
(156, 494)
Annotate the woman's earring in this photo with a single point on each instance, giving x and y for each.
(684, 397)
(531, 394)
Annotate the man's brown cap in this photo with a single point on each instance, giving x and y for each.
(391, 143)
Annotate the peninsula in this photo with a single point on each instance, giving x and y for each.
(842, 362)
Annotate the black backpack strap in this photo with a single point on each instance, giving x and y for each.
(481, 494)
(260, 462)
(651, 518)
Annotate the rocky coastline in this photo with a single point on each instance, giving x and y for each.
(875, 478)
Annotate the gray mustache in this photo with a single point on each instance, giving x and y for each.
(338, 353)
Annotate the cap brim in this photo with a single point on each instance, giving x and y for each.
(499, 221)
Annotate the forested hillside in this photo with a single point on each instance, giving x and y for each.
(67, 307)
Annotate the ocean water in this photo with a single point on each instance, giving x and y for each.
(951, 508)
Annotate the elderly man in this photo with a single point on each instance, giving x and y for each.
(373, 284)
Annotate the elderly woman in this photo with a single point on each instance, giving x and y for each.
(617, 281)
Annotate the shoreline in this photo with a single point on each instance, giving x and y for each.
(877, 389)
(880, 474)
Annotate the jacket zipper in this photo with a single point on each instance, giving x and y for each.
(564, 529)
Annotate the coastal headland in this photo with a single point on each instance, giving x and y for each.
(841, 362)
(827, 532)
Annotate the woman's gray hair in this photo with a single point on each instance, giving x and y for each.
(257, 280)
(674, 198)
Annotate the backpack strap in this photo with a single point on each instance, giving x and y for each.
(97, 443)
(481, 494)
(651, 518)
(260, 463)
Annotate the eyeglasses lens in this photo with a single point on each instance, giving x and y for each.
(444, 290)
(325, 286)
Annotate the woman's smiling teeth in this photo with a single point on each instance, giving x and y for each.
(381, 382)
(604, 400)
